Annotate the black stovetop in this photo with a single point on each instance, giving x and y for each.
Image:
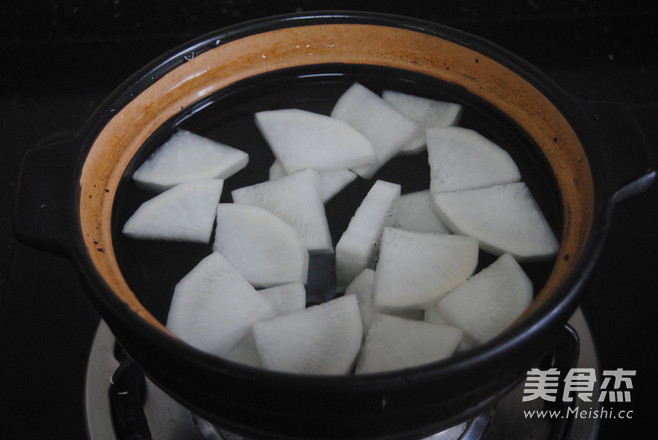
(61, 58)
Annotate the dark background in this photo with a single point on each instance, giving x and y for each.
(59, 59)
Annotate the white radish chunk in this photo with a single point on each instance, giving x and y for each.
(387, 129)
(322, 339)
(301, 139)
(394, 343)
(285, 298)
(426, 112)
(331, 181)
(185, 212)
(461, 158)
(489, 301)
(417, 269)
(213, 306)
(186, 156)
(417, 213)
(266, 250)
(276, 170)
(294, 198)
(358, 246)
(363, 287)
(244, 352)
(503, 218)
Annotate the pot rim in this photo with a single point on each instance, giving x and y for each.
(550, 315)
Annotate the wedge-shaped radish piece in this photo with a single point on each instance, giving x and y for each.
(358, 246)
(363, 287)
(285, 298)
(461, 158)
(244, 352)
(185, 212)
(296, 199)
(489, 301)
(213, 306)
(331, 181)
(387, 129)
(322, 339)
(503, 218)
(301, 139)
(187, 156)
(266, 250)
(426, 112)
(416, 269)
(394, 343)
(417, 213)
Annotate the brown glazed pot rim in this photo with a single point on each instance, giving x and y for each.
(185, 76)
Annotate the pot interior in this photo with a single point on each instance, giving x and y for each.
(216, 93)
(152, 268)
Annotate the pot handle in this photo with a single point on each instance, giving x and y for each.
(626, 158)
(44, 214)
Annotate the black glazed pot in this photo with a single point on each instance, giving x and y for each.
(588, 156)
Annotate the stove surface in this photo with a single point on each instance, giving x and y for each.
(61, 59)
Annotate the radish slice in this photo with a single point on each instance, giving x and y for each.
(426, 112)
(244, 352)
(489, 301)
(322, 339)
(331, 181)
(503, 218)
(294, 198)
(461, 158)
(358, 246)
(363, 287)
(386, 128)
(213, 306)
(394, 343)
(185, 212)
(301, 139)
(285, 298)
(265, 249)
(417, 213)
(417, 269)
(187, 156)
